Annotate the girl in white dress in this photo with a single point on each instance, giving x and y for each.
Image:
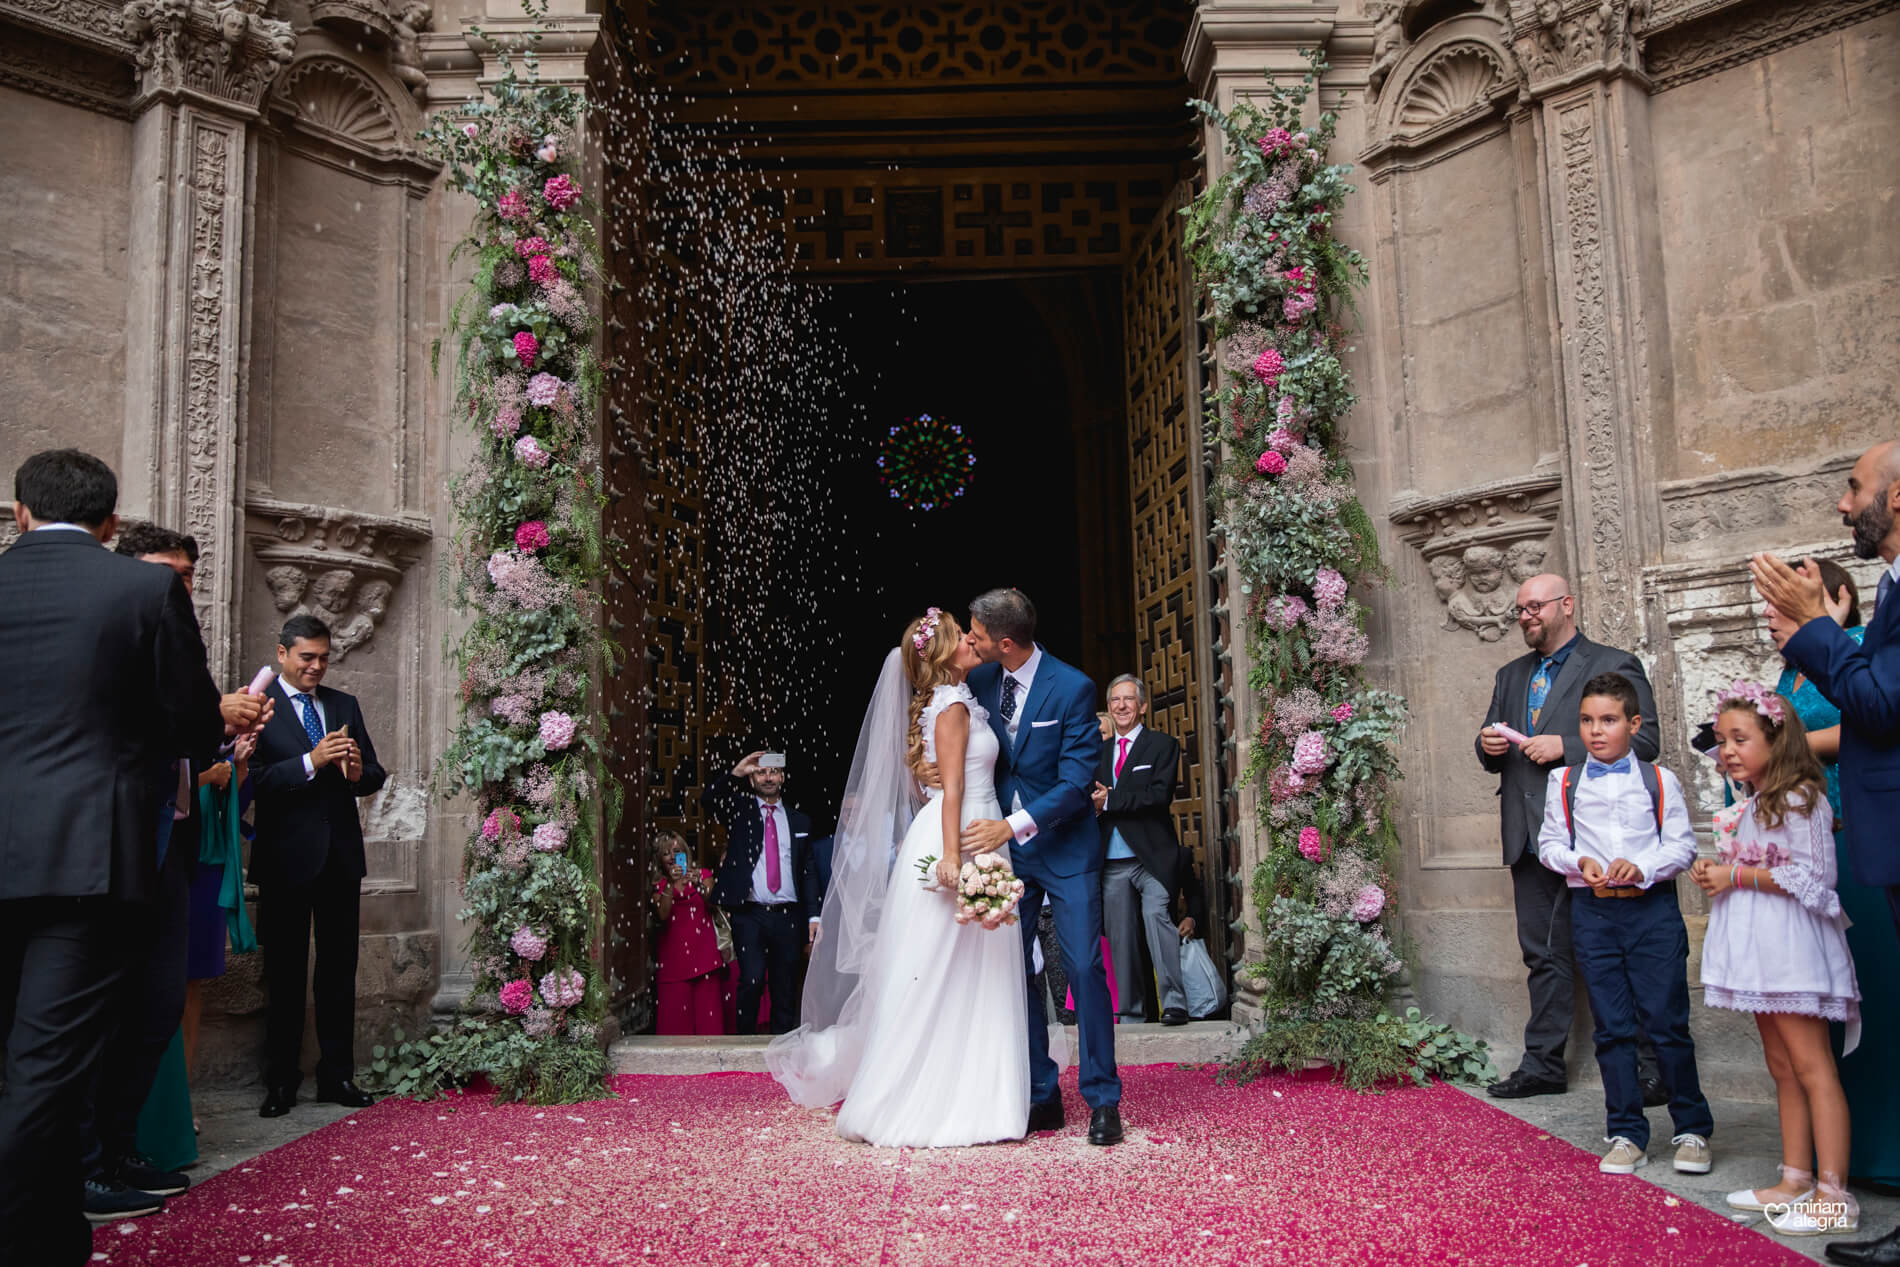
(1777, 946)
(917, 1022)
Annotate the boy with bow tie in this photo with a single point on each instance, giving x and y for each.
(1618, 829)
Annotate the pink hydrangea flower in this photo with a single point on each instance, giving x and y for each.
(516, 996)
(1280, 440)
(1368, 904)
(531, 535)
(1310, 847)
(557, 731)
(564, 989)
(561, 192)
(1267, 366)
(544, 389)
(1329, 589)
(1270, 463)
(526, 347)
(528, 452)
(1297, 306)
(1274, 141)
(550, 838)
(513, 205)
(1295, 275)
(1285, 611)
(500, 822)
(1342, 712)
(528, 248)
(541, 271)
(1310, 756)
(528, 943)
(1285, 784)
(507, 422)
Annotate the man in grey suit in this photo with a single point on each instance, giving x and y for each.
(1538, 694)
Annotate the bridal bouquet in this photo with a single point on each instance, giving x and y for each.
(987, 890)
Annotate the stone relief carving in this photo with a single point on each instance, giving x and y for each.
(1744, 503)
(340, 566)
(1459, 71)
(220, 48)
(1557, 38)
(99, 23)
(330, 96)
(66, 70)
(1476, 539)
(1713, 35)
(405, 47)
(1456, 80)
(1388, 43)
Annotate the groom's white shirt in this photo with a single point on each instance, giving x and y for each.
(1020, 823)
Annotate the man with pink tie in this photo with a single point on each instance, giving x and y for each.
(768, 884)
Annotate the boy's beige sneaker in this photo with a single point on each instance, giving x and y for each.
(1624, 1158)
(1692, 1154)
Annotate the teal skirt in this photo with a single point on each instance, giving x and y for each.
(166, 1136)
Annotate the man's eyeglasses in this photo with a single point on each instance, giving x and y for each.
(1535, 606)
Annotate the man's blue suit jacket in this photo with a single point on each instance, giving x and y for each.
(1051, 765)
(1863, 681)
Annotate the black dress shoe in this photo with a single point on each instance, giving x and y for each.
(1655, 1094)
(138, 1172)
(1521, 1086)
(346, 1093)
(278, 1101)
(1105, 1125)
(1046, 1116)
(108, 1200)
(1174, 1016)
(1884, 1252)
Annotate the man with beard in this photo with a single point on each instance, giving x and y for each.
(1862, 680)
(1538, 694)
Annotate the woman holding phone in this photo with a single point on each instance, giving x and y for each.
(689, 971)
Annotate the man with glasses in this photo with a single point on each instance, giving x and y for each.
(1538, 695)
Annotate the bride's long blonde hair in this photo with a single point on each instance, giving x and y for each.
(930, 651)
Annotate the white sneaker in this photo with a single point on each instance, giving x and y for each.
(1624, 1158)
(1692, 1154)
(1747, 1200)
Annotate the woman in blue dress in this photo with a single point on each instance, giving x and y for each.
(1873, 1093)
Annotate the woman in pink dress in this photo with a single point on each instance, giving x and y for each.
(689, 972)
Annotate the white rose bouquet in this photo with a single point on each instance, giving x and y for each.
(987, 890)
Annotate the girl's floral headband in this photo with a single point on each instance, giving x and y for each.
(927, 630)
(1755, 695)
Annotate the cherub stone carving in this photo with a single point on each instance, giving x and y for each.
(1525, 560)
(371, 602)
(1483, 605)
(330, 596)
(405, 46)
(1388, 42)
(287, 584)
(1448, 577)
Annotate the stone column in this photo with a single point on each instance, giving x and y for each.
(204, 68)
(1590, 99)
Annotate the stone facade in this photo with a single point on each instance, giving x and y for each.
(1636, 289)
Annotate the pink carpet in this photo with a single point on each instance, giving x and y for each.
(721, 1169)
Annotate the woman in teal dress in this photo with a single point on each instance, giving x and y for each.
(1873, 1093)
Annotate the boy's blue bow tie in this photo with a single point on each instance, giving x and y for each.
(1595, 769)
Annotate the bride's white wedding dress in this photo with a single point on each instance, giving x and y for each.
(938, 1029)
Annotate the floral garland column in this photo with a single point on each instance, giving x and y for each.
(203, 74)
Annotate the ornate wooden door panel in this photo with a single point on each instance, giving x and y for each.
(1173, 639)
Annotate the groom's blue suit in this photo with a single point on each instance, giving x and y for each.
(1051, 768)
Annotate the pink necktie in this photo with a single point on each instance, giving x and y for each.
(1121, 757)
(772, 872)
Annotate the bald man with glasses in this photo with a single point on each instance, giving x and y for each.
(1538, 695)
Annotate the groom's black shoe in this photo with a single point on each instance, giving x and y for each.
(1046, 1116)
(1174, 1016)
(1876, 1253)
(1105, 1125)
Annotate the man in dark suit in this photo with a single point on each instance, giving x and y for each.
(1043, 714)
(313, 763)
(1862, 680)
(102, 684)
(771, 894)
(1538, 695)
(1135, 785)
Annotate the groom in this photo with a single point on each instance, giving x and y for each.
(1043, 713)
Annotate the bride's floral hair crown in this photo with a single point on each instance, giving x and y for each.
(927, 630)
(1752, 695)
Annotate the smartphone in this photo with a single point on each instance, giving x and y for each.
(679, 860)
(772, 761)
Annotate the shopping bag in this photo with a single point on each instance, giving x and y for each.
(1206, 992)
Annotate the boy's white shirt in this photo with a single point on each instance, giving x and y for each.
(1615, 820)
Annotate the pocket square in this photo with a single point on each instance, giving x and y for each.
(1149, 766)
(801, 833)
(1053, 721)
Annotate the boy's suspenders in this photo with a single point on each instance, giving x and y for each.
(1652, 783)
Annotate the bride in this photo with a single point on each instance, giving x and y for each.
(917, 1023)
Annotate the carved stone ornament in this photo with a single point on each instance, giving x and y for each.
(1460, 72)
(341, 566)
(1480, 544)
(1560, 41)
(225, 49)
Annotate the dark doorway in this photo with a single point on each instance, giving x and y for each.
(1030, 369)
